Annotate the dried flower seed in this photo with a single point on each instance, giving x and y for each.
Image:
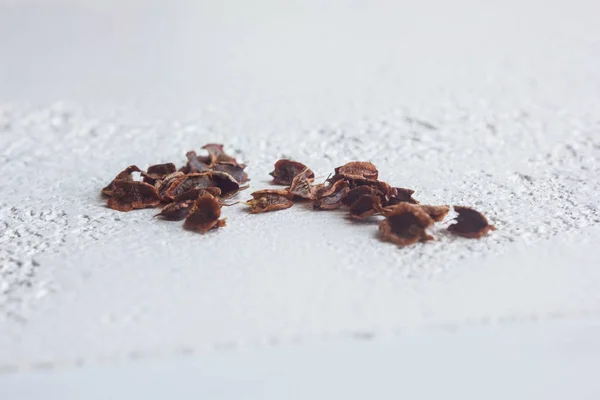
(129, 195)
(286, 170)
(158, 172)
(470, 223)
(270, 200)
(189, 182)
(227, 183)
(197, 163)
(365, 206)
(331, 197)
(166, 183)
(124, 175)
(218, 154)
(204, 214)
(401, 195)
(301, 184)
(355, 193)
(177, 210)
(405, 224)
(193, 194)
(363, 169)
(235, 170)
(437, 213)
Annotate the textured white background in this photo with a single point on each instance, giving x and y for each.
(494, 106)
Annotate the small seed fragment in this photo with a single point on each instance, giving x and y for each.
(366, 206)
(158, 172)
(129, 195)
(204, 214)
(270, 200)
(177, 210)
(437, 213)
(357, 192)
(124, 175)
(363, 169)
(405, 224)
(331, 197)
(301, 184)
(235, 170)
(470, 223)
(286, 170)
(216, 151)
(401, 195)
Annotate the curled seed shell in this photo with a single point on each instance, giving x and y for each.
(216, 151)
(204, 214)
(286, 170)
(356, 181)
(405, 224)
(129, 195)
(437, 213)
(166, 183)
(401, 195)
(189, 182)
(362, 169)
(227, 183)
(270, 200)
(355, 193)
(301, 184)
(124, 175)
(366, 206)
(198, 163)
(158, 172)
(198, 192)
(331, 198)
(470, 223)
(235, 170)
(177, 210)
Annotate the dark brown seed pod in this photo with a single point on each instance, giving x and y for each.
(235, 170)
(437, 213)
(363, 169)
(366, 206)
(301, 184)
(470, 223)
(204, 215)
(331, 197)
(355, 193)
(286, 170)
(166, 183)
(405, 224)
(227, 183)
(270, 200)
(177, 210)
(158, 172)
(197, 163)
(356, 181)
(193, 194)
(216, 151)
(124, 175)
(129, 195)
(189, 182)
(401, 195)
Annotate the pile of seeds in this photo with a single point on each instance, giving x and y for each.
(356, 187)
(196, 192)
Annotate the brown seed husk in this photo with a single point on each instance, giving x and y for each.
(301, 185)
(166, 183)
(177, 210)
(189, 182)
(405, 224)
(401, 195)
(124, 175)
(286, 170)
(198, 163)
(270, 200)
(235, 170)
(129, 195)
(227, 183)
(365, 206)
(198, 192)
(470, 223)
(204, 214)
(357, 181)
(357, 192)
(158, 172)
(331, 197)
(437, 213)
(216, 151)
(363, 169)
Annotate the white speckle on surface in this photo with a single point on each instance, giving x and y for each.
(490, 105)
